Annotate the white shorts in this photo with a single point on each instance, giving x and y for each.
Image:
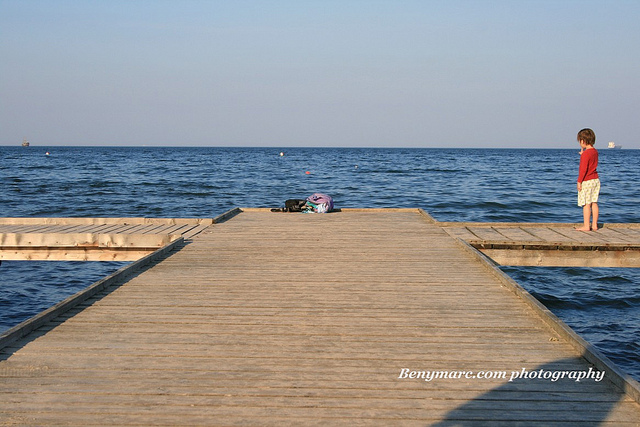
(589, 193)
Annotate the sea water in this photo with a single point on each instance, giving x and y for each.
(525, 185)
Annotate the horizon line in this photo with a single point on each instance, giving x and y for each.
(282, 147)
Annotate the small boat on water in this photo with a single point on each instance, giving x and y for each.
(612, 145)
(25, 143)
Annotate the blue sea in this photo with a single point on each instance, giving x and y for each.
(514, 185)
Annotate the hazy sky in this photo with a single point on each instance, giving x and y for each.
(465, 73)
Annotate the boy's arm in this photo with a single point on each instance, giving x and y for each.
(584, 167)
(584, 163)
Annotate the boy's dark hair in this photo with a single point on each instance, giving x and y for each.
(588, 136)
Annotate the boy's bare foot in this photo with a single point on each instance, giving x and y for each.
(594, 228)
(582, 229)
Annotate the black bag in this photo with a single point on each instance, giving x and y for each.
(292, 205)
(295, 205)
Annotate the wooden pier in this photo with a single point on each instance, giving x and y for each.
(552, 245)
(91, 239)
(302, 319)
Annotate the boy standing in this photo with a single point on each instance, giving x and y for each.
(588, 180)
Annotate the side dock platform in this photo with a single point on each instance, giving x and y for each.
(360, 317)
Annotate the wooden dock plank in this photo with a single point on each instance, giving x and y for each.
(271, 319)
(628, 234)
(613, 236)
(586, 237)
(488, 234)
(557, 235)
(517, 234)
(463, 233)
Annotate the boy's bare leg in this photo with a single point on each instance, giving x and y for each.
(595, 211)
(586, 214)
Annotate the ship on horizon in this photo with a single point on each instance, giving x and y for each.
(25, 143)
(612, 145)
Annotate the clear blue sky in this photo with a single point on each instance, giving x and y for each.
(451, 73)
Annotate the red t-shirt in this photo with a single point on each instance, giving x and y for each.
(588, 165)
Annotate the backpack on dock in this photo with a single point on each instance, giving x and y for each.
(320, 203)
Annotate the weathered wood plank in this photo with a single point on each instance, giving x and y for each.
(517, 234)
(462, 233)
(44, 240)
(612, 235)
(556, 235)
(630, 234)
(100, 220)
(73, 254)
(563, 258)
(488, 234)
